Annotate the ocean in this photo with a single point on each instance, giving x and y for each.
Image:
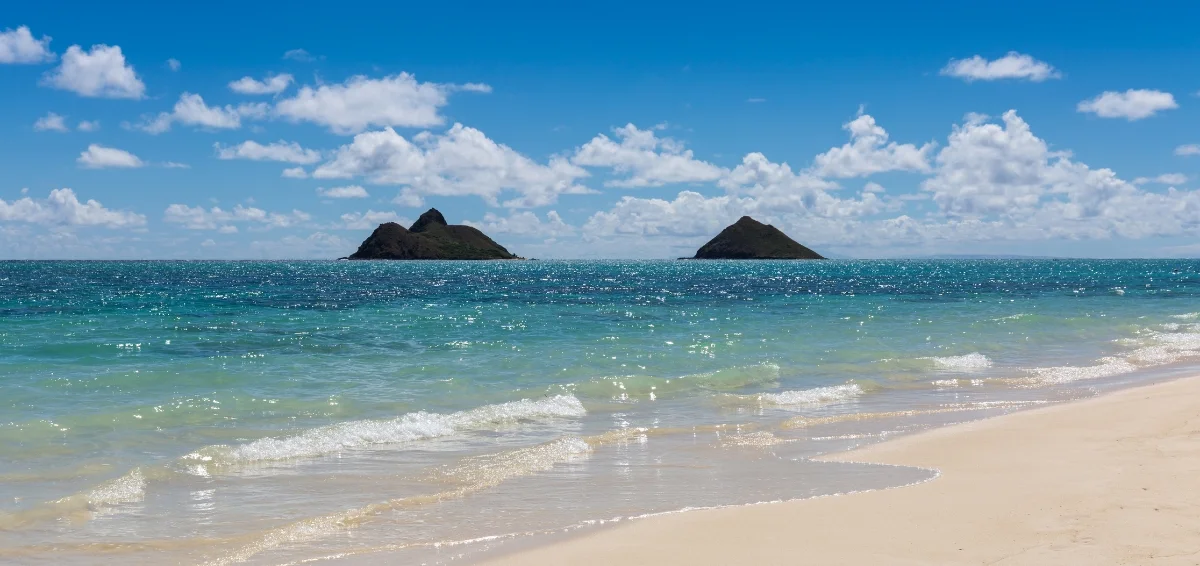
(430, 412)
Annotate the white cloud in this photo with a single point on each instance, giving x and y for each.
(62, 208)
(316, 245)
(1133, 104)
(1164, 179)
(462, 161)
(294, 173)
(19, 46)
(216, 218)
(348, 191)
(273, 84)
(88, 125)
(992, 182)
(174, 64)
(99, 73)
(176, 165)
(1189, 149)
(409, 198)
(298, 55)
(757, 187)
(191, 110)
(524, 223)
(755, 100)
(370, 219)
(278, 151)
(361, 102)
(99, 157)
(1012, 66)
(1007, 182)
(51, 122)
(870, 152)
(649, 161)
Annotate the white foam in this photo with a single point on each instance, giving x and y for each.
(969, 362)
(128, 488)
(815, 396)
(406, 428)
(1107, 367)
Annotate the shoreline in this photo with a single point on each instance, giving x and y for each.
(1112, 479)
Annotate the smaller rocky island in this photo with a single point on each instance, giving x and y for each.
(750, 239)
(429, 238)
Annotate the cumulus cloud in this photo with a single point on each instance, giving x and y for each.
(174, 64)
(99, 157)
(1188, 149)
(191, 110)
(370, 219)
(18, 46)
(1164, 179)
(1005, 175)
(315, 245)
(991, 182)
(51, 122)
(1011, 66)
(216, 218)
(462, 161)
(62, 208)
(646, 159)
(870, 152)
(1133, 104)
(348, 191)
(294, 173)
(524, 223)
(99, 73)
(286, 152)
(88, 125)
(361, 102)
(272, 84)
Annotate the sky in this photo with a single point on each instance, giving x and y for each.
(268, 130)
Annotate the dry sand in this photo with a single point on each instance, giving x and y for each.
(1109, 480)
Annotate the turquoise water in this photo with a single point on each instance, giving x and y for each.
(273, 412)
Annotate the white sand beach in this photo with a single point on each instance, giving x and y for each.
(1113, 479)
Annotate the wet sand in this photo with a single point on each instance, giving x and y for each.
(1113, 479)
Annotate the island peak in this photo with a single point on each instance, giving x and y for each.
(750, 239)
(430, 237)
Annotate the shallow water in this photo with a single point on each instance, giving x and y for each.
(272, 412)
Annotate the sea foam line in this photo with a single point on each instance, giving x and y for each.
(407, 428)
(321, 441)
(969, 362)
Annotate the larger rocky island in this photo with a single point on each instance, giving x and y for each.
(429, 238)
(750, 239)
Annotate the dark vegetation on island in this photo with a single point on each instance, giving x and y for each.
(429, 238)
(750, 239)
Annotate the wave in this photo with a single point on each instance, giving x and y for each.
(969, 362)
(321, 441)
(473, 474)
(1153, 348)
(645, 387)
(407, 428)
(814, 397)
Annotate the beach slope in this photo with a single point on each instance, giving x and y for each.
(1108, 480)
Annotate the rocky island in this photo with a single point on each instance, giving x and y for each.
(750, 239)
(429, 238)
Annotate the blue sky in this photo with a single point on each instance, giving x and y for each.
(615, 130)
